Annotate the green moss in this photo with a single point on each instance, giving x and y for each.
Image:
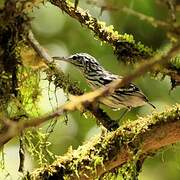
(175, 63)
(13, 28)
(37, 145)
(104, 149)
(60, 80)
(27, 6)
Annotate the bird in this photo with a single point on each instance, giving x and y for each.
(129, 96)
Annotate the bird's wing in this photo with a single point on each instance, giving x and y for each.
(129, 89)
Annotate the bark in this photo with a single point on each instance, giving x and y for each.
(110, 151)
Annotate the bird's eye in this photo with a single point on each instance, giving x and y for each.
(74, 57)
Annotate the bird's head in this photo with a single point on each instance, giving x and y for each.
(83, 61)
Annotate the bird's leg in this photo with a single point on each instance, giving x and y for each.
(102, 117)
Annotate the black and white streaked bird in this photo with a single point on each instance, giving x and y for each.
(128, 97)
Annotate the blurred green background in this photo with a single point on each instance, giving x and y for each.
(61, 36)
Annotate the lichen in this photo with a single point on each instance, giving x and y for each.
(13, 27)
(101, 150)
(124, 46)
(28, 5)
(175, 63)
(62, 81)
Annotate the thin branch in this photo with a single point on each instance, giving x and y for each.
(84, 101)
(105, 153)
(13, 128)
(39, 49)
(147, 66)
(56, 71)
(154, 22)
(172, 8)
(21, 153)
(112, 7)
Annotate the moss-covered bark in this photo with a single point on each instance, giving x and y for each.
(134, 141)
(13, 27)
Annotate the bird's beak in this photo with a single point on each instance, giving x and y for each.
(57, 58)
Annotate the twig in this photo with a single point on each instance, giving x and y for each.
(110, 7)
(21, 153)
(154, 22)
(39, 49)
(172, 8)
(148, 66)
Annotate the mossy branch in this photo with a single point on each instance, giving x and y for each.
(107, 152)
(124, 46)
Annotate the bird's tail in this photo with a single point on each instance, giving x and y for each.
(147, 101)
(152, 105)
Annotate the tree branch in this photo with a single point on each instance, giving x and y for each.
(124, 46)
(111, 151)
(66, 84)
(87, 100)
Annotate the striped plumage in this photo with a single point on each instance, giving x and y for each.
(125, 97)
